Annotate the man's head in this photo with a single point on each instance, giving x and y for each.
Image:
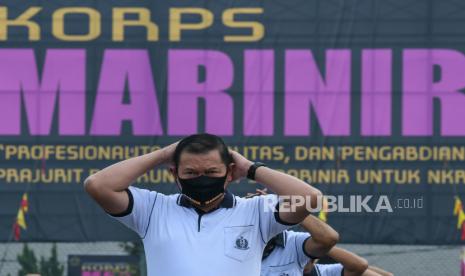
(203, 167)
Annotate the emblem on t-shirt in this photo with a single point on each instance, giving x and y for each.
(242, 243)
(284, 274)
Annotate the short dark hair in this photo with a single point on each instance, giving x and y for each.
(202, 143)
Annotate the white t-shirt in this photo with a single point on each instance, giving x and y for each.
(289, 259)
(329, 269)
(178, 241)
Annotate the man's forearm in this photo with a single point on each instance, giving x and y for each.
(324, 237)
(379, 271)
(349, 260)
(119, 176)
(317, 228)
(286, 185)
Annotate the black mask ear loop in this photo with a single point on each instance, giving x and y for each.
(176, 179)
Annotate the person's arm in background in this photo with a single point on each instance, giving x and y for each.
(378, 271)
(369, 272)
(108, 186)
(283, 185)
(353, 264)
(323, 236)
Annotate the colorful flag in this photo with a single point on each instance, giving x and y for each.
(20, 221)
(323, 215)
(457, 205)
(460, 219)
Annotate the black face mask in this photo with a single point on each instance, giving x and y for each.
(203, 190)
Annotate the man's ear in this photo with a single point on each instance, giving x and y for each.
(229, 177)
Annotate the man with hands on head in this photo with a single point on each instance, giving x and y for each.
(212, 231)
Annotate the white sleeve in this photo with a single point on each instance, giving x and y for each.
(297, 240)
(270, 223)
(141, 204)
(329, 269)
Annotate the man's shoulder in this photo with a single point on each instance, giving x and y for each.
(295, 239)
(290, 234)
(246, 202)
(326, 269)
(255, 199)
(257, 204)
(142, 192)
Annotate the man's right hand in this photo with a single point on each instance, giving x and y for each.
(168, 153)
(241, 165)
(108, 186)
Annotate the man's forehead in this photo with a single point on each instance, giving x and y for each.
(210, 158)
